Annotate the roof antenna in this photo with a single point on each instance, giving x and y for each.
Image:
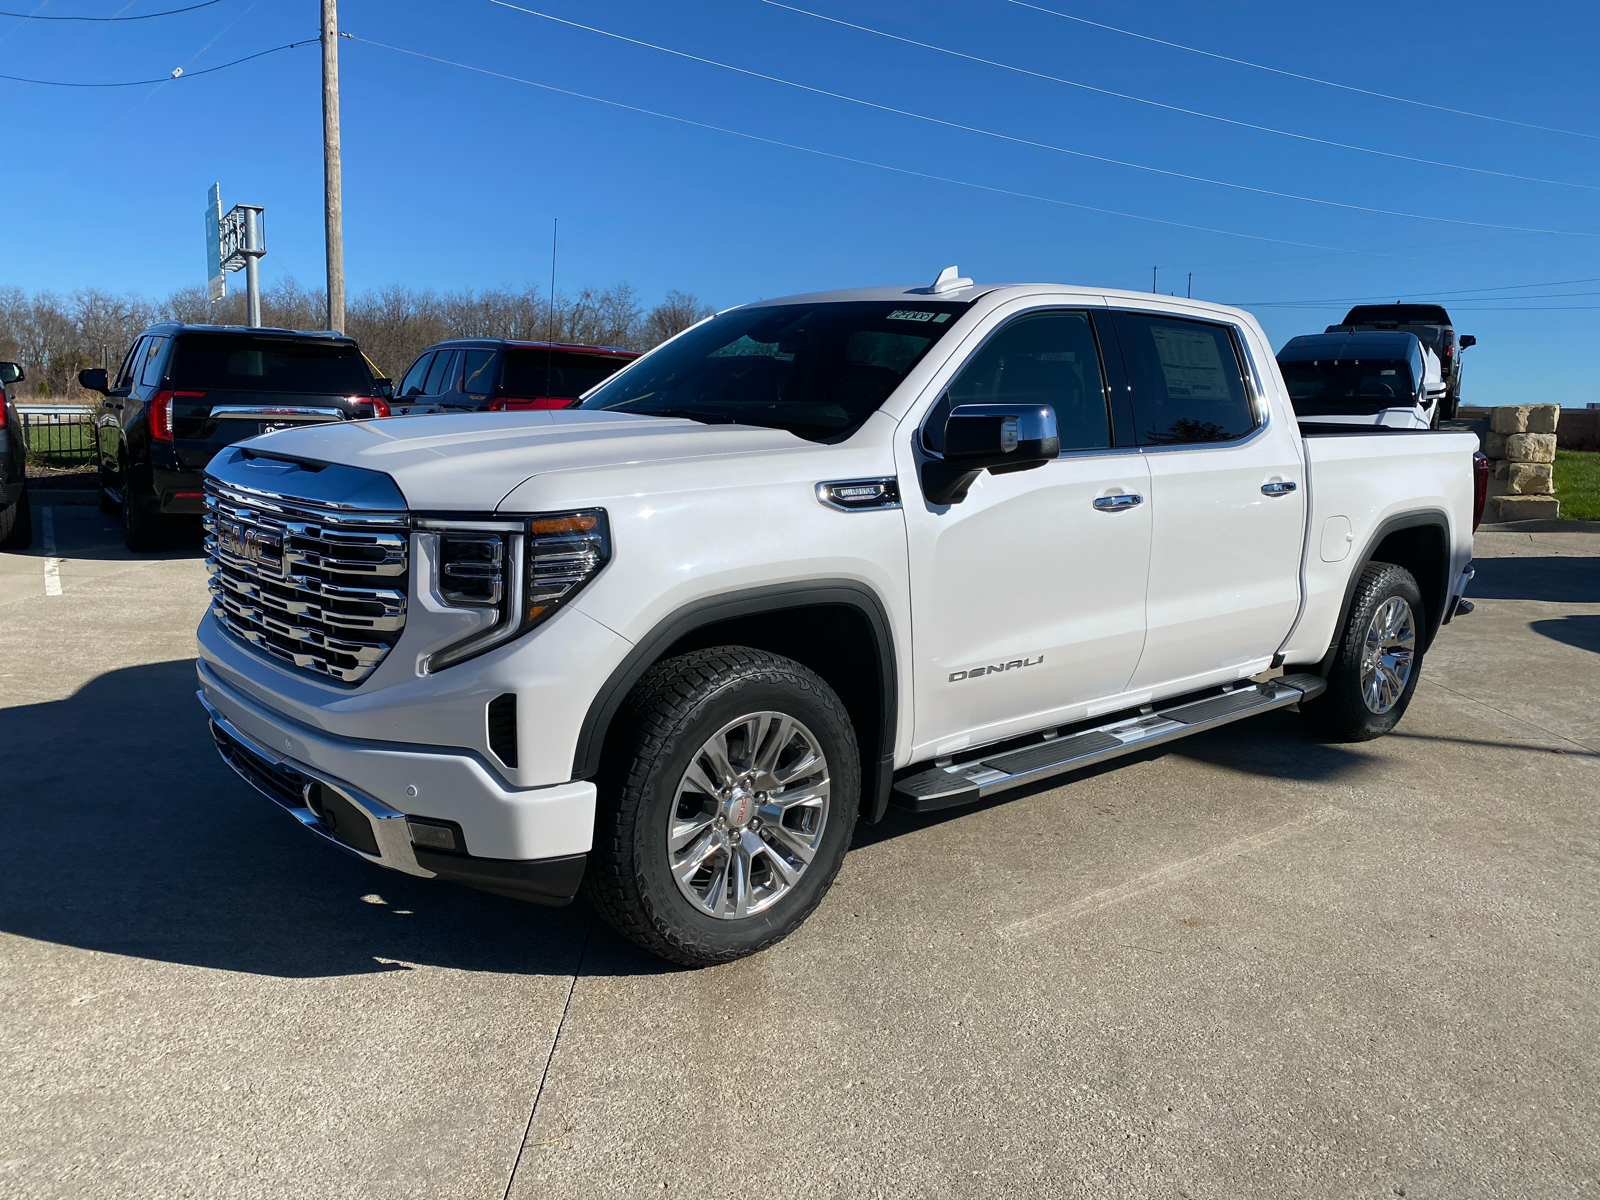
(950, 280)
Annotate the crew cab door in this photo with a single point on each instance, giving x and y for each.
(1227, 498)
(1027, 597)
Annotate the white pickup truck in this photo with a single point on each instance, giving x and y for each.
(811, 557)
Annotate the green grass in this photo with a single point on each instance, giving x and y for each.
(1578, 484)
(60, 445)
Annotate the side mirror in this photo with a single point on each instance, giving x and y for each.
(1467, 340)
(998, 438)
(386, 386)
(94, 380)
(10, 373)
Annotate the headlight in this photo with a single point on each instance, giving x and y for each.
(513, 573)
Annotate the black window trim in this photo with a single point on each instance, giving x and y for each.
(1088, 310)
(1255, 394)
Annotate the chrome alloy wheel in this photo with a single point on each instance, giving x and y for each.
(749, 815)
(1389, 655)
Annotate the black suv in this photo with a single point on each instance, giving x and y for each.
(186, 391)
(1432, 326)
(16, 522)
(493, 374)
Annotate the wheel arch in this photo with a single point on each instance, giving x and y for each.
(838, 627)
(1418, 541)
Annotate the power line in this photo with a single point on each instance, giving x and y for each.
(1193, 112)
(862, 162)
(1466, 293)
(1460, 112)
(178, 74)
(98, 20)
(1020, 141)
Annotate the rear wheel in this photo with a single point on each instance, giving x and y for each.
(1378, 662)
(141, 528)
(16, 523)
(730, 808)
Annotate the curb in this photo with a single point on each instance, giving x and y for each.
(1541, 527)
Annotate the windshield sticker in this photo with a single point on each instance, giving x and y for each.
(907, 314)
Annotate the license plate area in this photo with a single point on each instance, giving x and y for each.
(274, 426)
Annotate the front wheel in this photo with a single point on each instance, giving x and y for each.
(728, 808)
(1378, 660)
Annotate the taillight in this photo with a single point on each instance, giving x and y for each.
(380, 407)
(1480, 487)
(161, 412)
(527, 404)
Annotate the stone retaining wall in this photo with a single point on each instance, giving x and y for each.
(1521, 448)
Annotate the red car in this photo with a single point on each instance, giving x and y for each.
(493, 374)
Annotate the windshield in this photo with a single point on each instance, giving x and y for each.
(564, 373)
(817, 370)
(1349, 386)
(208, 362)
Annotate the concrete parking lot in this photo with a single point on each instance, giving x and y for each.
(1250, 966)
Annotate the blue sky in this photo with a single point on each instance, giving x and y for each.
(452, 177)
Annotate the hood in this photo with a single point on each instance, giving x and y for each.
(469, 462)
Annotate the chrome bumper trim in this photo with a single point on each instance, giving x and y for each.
(388, 826)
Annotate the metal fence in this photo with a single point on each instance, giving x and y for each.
(58, 434)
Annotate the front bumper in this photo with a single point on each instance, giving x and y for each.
(433, 782)
(369, 829)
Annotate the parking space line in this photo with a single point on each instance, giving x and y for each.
(1154, 879)
(52, 564)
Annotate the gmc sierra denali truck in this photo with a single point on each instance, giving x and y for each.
(809, 558)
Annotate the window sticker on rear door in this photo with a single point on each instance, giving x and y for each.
(1190, 363)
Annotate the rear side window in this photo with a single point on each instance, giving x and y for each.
(411, 385)
(1041, 358)
(567, 374)
(477, 376)
(1187, 388)
(150, 362)
(240, 363)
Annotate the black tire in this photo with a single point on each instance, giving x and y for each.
(664, 724)
(16, 523)
(141, 529)
(1342, 713)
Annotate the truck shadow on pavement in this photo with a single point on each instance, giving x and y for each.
(1274, 745)
(129, 836)
(1563, 579)
(1578, 630)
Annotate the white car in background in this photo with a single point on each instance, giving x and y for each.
(1367, 378)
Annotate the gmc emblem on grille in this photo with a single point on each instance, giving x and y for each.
(245, 543)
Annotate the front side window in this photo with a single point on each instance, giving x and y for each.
(150, 372)
(439, 374)
(1187, 387)
(1326, 387)
(226, 362)
(816, 370)
(411, 385)
(1041, 358)
(130, 364)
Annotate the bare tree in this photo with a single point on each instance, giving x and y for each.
(673, 315)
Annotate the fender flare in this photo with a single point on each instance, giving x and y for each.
(877, 776)
(1418, 519)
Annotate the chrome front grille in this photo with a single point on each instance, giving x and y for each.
(321, 587)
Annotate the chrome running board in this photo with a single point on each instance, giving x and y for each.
(962, 783)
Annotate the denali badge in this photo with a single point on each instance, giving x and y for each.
(978, 672)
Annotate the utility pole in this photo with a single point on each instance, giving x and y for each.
(1189, 291)
(332, 186)
(1153, 271)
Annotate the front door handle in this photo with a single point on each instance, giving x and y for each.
(1280, 488)
(1119, 503)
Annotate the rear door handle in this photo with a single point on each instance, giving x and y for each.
(1281, 488)
(1117, 503)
